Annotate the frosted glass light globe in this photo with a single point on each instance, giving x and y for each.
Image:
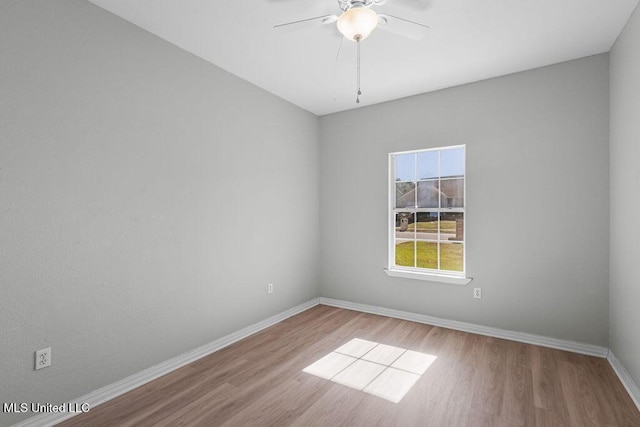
(357, 23)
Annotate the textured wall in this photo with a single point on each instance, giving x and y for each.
(537, 200)
(146, 200)
(625, 198)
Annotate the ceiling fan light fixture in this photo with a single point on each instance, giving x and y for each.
(357, 23)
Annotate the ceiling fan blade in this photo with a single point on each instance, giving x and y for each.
(403, 27)
(306, 23)
(413, 4)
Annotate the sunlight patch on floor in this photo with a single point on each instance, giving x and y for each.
(378, 369)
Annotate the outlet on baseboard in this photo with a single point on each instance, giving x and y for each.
(43, 358)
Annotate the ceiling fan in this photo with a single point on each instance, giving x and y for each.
(358, 20)
(356, 23)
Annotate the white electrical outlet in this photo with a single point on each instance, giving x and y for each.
(477, 293)
(270, 288)
(43, 358)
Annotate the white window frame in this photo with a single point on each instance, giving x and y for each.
(437, 275)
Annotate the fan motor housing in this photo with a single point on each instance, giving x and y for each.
(348, 4)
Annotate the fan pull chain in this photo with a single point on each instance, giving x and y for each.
(358, 38)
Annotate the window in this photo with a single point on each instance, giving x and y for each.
(427, 211)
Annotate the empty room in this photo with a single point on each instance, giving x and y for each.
(319, 213)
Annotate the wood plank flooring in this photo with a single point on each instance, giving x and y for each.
(475, 381)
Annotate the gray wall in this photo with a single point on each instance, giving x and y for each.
(624, 291)
(537, 200)
(146, 200)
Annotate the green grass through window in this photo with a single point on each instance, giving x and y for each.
(450, 255)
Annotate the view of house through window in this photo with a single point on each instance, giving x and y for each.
(427, 210)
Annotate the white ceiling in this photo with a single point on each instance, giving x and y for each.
(469, 40)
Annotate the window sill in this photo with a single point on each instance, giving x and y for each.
(453, 280)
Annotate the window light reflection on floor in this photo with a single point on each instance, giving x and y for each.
(382, 370)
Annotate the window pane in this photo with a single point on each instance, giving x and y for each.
(428, 165)
(432, 182)
(451, 256)
(427, 256)
(452, 162)
(428, 194)
(404, 225)
(405, 194)
(452, 226)
(452, 193)
(405, 253)
(426, 225)
(405, 245)
(406, 167)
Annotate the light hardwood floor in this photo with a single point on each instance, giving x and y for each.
(475, 381)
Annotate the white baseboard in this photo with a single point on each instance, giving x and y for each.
(625, 379)
(136, 380)
(575, 347)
